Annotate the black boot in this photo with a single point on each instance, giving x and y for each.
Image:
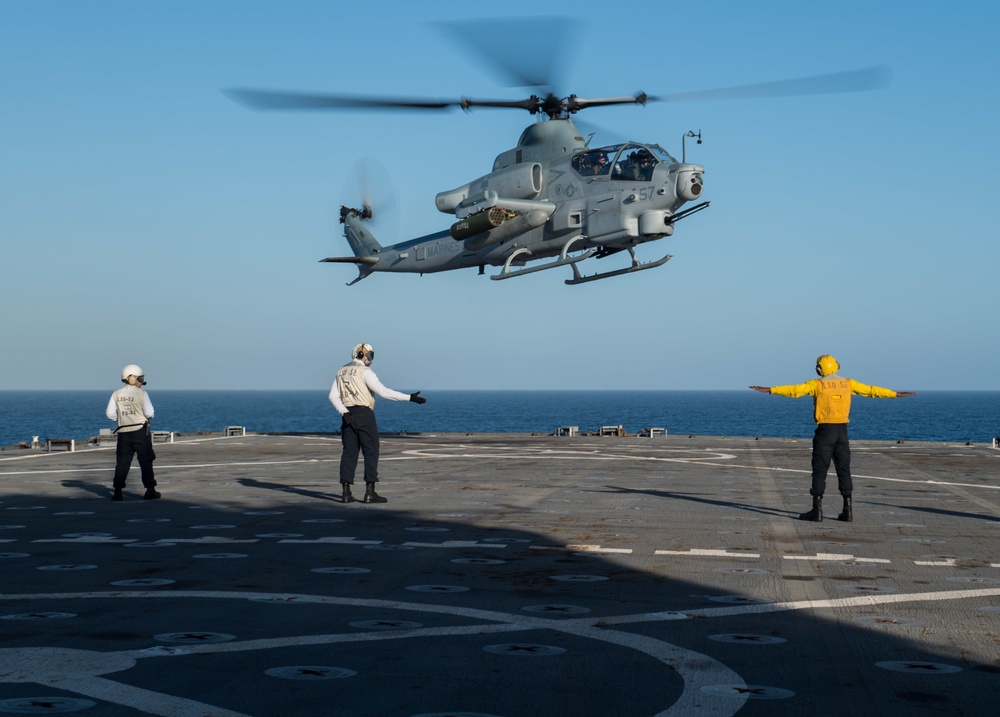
(847, 515)
(151, 494)
(347, 498)
(118, 495)
(816, 514)
(371, 496)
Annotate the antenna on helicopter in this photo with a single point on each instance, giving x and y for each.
(684, 149)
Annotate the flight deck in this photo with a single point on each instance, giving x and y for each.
(508, 576)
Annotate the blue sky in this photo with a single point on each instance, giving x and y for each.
(147, 218)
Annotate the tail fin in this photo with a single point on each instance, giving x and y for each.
(361, 240)
(366, 249)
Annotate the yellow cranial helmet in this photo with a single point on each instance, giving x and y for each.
(826, 364)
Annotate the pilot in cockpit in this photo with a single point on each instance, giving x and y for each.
(645, 165)
(638, 166)
(601, 165)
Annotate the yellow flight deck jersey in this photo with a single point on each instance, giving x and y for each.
(832, 395)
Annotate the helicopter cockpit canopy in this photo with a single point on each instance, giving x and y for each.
(623, 162)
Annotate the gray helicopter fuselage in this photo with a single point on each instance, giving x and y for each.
(549, 196)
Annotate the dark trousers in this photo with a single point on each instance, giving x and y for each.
(831, 443)
(134, 443)
(360, 435)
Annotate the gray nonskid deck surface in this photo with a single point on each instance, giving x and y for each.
(508, 575)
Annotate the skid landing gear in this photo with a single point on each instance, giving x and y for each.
(636, 266)
(506, 272)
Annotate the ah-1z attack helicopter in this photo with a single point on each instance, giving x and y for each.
(552, 197)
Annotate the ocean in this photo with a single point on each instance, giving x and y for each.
(959, 416)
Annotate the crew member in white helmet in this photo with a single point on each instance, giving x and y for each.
(351, 395)
(131, 407)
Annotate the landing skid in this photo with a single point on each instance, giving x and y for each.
(636, 266)
(563, 260)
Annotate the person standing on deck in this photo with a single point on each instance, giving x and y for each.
(832, 406)
(133, 410)
(351, 395)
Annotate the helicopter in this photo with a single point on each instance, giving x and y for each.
(552, 200)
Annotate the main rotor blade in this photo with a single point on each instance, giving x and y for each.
(277, 100)
(526, 51)
(528, 104)
(870, 78)
(575, 103)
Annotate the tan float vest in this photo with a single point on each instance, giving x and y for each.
(129, 401)
(351, 384)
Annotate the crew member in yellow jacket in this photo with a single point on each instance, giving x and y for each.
(832, 402)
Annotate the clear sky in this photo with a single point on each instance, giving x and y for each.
(146, 218)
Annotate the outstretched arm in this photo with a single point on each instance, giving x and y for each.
(762, 389)
(376, 387)
(863, 389)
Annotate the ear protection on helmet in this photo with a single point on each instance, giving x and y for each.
(364, 352)
(826, 365)
(133, 370)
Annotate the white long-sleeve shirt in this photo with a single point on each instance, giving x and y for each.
(373, 384)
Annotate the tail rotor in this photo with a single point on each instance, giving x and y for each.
(369, 184)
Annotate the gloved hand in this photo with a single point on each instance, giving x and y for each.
(417, 398)
(348, 419)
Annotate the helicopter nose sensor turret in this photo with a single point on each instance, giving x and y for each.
(690, 182)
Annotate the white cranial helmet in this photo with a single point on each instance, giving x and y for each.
(133, 370)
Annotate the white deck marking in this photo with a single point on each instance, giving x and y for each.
(350, 540)
(208, 539)
(456, 544)
(764, 608)
(701, 552)
(706, 457)
(943, 562)
(582, 549)
(154, 703)
(88, 539)
(836, 556)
